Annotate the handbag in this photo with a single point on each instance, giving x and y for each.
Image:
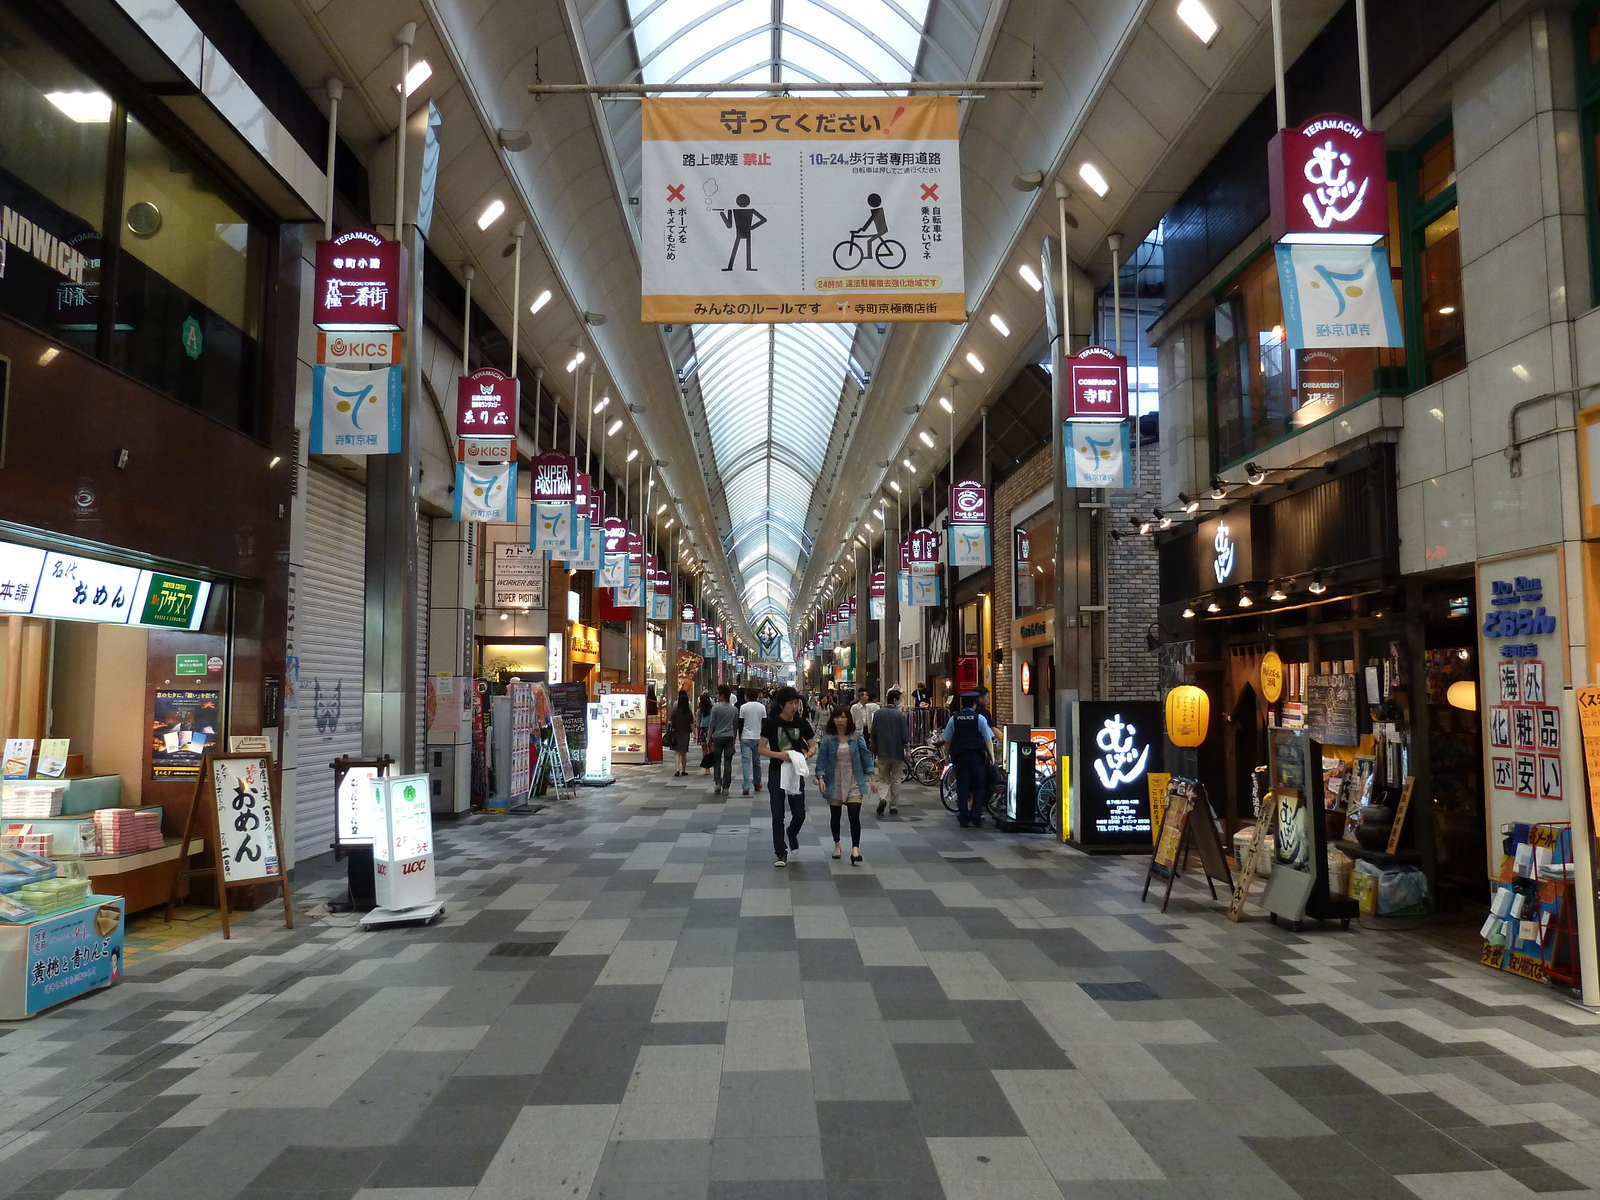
(708, 759)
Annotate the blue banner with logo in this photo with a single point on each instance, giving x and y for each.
(486, 493)
(1337, 296)
(74, 952)
(355, 411)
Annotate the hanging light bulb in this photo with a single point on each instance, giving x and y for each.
(1188, 610)
(1213, 607)
(1277, 592)
(1317, 587)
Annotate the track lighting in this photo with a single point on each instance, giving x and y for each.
(1253, 474)
(1191, 504)
(1317, 587)
(1218, 488)
(1213, 607)
(1244, 598)
(1144, 527)
(1277, 592)
(1163, 521)
(1188, 610)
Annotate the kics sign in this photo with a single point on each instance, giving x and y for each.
(1097, 385)
(358, 349)
(486, 403)
(1329, 183)
(360, 284)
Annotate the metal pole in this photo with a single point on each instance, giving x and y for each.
(516, 304)
(538, 395)
(468, 273)
(1277, 63)
(1361, 62)
(335, 87)
(407, 35)
(588, 432)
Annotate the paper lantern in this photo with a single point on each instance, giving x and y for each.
(1188, 715)
(1463, 694)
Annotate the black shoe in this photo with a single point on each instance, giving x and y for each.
(794, 841)
(747, 791)
(882, 804)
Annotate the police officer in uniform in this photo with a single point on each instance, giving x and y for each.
(971, 743)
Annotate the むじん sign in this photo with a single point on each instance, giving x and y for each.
(1329, 183)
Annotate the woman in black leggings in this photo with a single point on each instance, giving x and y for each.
(844, 767)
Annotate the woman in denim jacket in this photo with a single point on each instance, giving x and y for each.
(842, 777)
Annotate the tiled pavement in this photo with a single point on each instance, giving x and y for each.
(626, 1000)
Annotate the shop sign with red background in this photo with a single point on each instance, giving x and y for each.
(486, 402)
(551, 478)
(969, 503)
(359, 284)
(1329, 183)
(1098, 388)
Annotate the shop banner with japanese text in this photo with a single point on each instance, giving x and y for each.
(486, 493)
(1337, 296)
(780, 209)
(355, 412)
(555, 528)
(969, 545)
(1098, 456)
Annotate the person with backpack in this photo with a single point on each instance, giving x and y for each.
(844, 767)
(891, 735)
(786, 739)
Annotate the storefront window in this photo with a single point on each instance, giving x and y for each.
(1034, 545)
(1588, 47)
(55, 128)
(1438, 327)
(1262, 391)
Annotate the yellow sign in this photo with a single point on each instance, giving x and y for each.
(778, 209)
(1271, 676)
(1588, 701)
(1158, 799)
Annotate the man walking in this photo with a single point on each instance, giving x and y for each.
(751, 713)
(784, 733)
(971, 745)
(724, 732)
(891, 731)
(861, 711)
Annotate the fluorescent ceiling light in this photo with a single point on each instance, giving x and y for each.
(492, 213)
(661, 510)
(927, 438)
(418, 75)
(1000, 325)
(1199, 20)
(615, 425)
(86, 108)
(944, 403)
(895, 484)
(604, 400)
(1030, 278)
(633, 454)
(975, 362)
(1090, 174)
(577, 361)
(540, 301)
(906, 463)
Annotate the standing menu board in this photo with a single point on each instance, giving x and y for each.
(1331, 710)
(402, 851)
(1298, 887)
(234, 797)
(570, 702)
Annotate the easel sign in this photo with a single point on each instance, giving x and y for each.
(1186, 825)
(234, 797)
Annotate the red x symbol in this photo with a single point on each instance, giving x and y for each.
(930, 191)
(675, 191)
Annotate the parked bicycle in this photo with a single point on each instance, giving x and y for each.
(851, 253)
(923, 763)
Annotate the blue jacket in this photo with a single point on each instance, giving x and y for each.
(828, 757)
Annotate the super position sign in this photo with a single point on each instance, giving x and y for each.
(768, 209)
(360, 284)
(969, 503)
(486, 402)
(1098, 388)
(552, 478)
(1329, 183)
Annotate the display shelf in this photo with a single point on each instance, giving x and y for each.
(60, 955)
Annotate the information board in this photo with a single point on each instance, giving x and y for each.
(569, 701)
(1331, 709)
(402, 854)
(242, 791)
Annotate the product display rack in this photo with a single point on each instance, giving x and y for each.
(627, 726)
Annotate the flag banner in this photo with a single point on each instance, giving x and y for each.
(486, 493)
(614, 574)
(1336, 297)
(355, 412)
(800, 208)
(660, 607)
(688, 631)
(593, 550)
(902, 581)
(1098, 456)
(969, 545)
(580, 540)
(554, 527)
(925, 591)
(875, 608)
(630, 595)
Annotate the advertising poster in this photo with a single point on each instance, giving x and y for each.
(183, 725)
(242, 789)
(781, 209)
(1119, 744)
(73, 953)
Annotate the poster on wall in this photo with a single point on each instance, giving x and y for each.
(183, 725)
(784, 209)
(1522, 649)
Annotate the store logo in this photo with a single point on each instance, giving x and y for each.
(1120, 761)
(1328, 172)
(1227, 553)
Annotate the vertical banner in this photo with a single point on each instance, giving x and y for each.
(797, 208)
(969, 545)
(614, 571)
(355, 412)
(554, 528)
(1336, 297)
(486, 493)
(1099, 456)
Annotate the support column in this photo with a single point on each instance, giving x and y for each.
(889, 634)
(863, 560)
(452, 603)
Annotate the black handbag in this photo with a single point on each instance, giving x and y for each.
(708, 760)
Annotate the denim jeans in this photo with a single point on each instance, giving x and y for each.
(722, 767)
(796, 804)
(750, 763)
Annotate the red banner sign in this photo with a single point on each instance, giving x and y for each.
(1329, 182)
(1098, 385)
(486, 402)
(969, 503)
(615, 530)
(879, 584)
(924, 546)
(359, 284)
(552, 478)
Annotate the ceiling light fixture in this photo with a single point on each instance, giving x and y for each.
(577, 361)
(944, 403)
(1163, 521)
(927, 438)
(1213, 607)
(418, 75)
(974, 362)
(1244, 598)
(1090, 174)
(540, 301)
(86, 108)
(1317, 587)
(1000, 325)
(492, 212)
(1219, 489)
(906, 463)
(1277, 592)
(604, 400)
(1253, 474)
(633, 454)
(615, 425)
(661, 510)
(1030, 277)
(1188, 610)
(895, 484)
(1198, 18)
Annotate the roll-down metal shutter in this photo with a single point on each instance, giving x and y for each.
(329, 631)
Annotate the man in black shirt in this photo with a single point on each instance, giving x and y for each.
(782, 732)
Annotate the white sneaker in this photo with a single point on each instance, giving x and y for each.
(782, 862)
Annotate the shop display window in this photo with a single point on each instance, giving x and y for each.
(1436, 320)
(1035, 577)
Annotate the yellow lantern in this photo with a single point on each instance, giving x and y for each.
(1188, 715)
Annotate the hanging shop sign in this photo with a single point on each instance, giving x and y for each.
(1097, 385)
(355, 412)
(1271, 676)
(878, 586)
(1522, 652)
(1224, 545)
(478, 450)
(1119, 745)
(969, 503)
(1337, 297)
(486, 493)
(520, 576)
(969, 545)
(615, 530)
(1329, 183)
(360, 284)
(553, 478)
(784, 209)
(1098, 456)
(486, 403)
(924, 550)
(554, 529)
(359, 349)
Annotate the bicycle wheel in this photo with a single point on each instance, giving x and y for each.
(996, 800)
(1049, 802)
(947, 789)
(847, 255)
(891, 255)
(927, 771)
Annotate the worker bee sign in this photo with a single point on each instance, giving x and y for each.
(777, 209)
